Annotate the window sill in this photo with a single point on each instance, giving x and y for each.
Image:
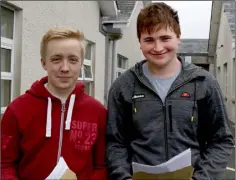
(3, 109)
(233, 100)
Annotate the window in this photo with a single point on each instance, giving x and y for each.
(7, 60)
(225, 80)
(218, 75)
(86, 74)
(122, 65)
(188, 59)
(234, 78)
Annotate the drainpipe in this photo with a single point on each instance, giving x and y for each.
(112, 35)
(108, 66)
(114, 60)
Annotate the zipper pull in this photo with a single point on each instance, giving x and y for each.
(192, 118)
(63, 107)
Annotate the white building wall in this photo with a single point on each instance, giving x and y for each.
(129, 46)
(225, 59)
(39, 16)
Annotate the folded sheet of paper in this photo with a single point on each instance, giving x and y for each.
(178, 167)
(61, 171)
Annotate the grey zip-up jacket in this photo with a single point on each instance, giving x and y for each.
(141, 128)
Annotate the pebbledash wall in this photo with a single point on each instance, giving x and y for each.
(23, 24)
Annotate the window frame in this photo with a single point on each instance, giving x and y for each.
(119, 69)
(225, 69)
(188, 59)
(233, 78)
(90, 63)
(7, 43)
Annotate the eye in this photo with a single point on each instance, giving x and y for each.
(165, 39)
(74, 60)
(148, 40)
(55, 59)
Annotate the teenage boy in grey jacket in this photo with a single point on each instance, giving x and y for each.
(163, 106)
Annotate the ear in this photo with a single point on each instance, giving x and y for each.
(43, 63)
(140, 46)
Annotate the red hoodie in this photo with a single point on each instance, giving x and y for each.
(31, 141)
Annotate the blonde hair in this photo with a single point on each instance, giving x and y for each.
(62, 33)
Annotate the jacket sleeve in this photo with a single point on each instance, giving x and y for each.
(100, 169)
(9, 146)
(218, 138)
(119, 165)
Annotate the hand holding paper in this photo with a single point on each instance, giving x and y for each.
(61, 171)
(179, 167)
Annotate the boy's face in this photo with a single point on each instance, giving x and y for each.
(159, 47)
(62, 62)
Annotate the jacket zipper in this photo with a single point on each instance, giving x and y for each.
(164, 110)
(170, 117)
(165, 122)
(166, 135)
(61, 130)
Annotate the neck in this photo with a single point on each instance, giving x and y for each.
(62, 93)
(165, 71)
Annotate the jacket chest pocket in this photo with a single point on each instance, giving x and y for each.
(183, 117)
(146, 115)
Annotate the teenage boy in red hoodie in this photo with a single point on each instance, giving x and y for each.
(55, 124)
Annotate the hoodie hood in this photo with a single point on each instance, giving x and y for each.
(38, 90)
(188, 71)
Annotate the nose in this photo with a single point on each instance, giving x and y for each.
(158, 46)
(65, 66)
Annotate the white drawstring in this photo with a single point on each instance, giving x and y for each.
(68, 118)
(69, 113)
(49, 118)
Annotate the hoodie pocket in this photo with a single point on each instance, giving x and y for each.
(183, 117)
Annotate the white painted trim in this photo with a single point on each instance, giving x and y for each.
(3, 109)
(132, 14)
(6, 76)
(116, 8)
(9, 44)
(8, 6)
(87, 62)
(120, 70)
(115, 22)
(6, 43)
(188, 59)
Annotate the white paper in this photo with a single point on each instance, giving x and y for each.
(59, 170)
(180, 161)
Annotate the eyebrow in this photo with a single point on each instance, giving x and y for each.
(56, 55)
(166, 36)
(163, 36)
(60, 55)
(73, 56)
(148, 38)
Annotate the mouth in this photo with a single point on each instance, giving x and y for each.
(62, 77)
(159, 54)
